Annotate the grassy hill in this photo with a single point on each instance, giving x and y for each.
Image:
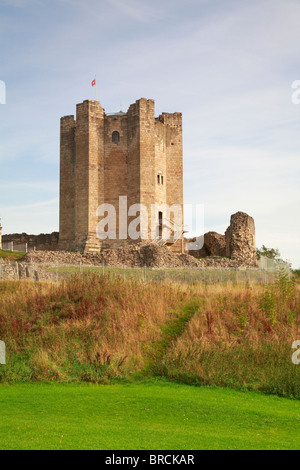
(91, 328)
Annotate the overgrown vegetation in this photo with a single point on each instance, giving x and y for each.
(271, 253)
(98, 329)
(296, 274)
(242, 339)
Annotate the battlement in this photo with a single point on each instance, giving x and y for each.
(140, 106)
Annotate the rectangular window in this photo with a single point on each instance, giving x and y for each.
(160, 224)
(162, 180)
(158, 179)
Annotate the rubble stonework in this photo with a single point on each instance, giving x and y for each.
(227, 242)
(234, 249)
(214, 245)
(241, 239)
(238, 243)
(136, 255)
(24, 271)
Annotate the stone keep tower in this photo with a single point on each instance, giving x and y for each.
(103, 157)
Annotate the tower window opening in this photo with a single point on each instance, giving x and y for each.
(158, 179)
(162, 179)
(115, 137)
(160, 224)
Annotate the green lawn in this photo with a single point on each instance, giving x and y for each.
(156, 416)
(12, 255)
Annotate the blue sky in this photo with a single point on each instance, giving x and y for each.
(227, 65)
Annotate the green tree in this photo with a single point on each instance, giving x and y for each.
(271, 253)
(297, 273)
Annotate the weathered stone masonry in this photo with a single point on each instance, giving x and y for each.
(44, 241)
(240, 239)
(104, 156)
(238, 243)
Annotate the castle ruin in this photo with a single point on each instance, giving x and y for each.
(105, 156)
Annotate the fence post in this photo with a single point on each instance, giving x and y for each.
(2, 269)
(17, 270)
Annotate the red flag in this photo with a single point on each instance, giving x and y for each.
(94, 82)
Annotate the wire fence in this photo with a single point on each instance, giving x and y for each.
(16, 271)
(265, 273)
(188, 275)
(272, 265)
(19, 247)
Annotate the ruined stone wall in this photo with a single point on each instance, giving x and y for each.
(241, 236)
(24, 271)
(38, 242)
(238, 243)
(214, 245)
(97, 169)
(227, 242)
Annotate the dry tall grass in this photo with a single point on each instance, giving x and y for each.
(88, 328)
(91, 328)
(242, 337)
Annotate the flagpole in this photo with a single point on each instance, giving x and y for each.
(96, 88)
